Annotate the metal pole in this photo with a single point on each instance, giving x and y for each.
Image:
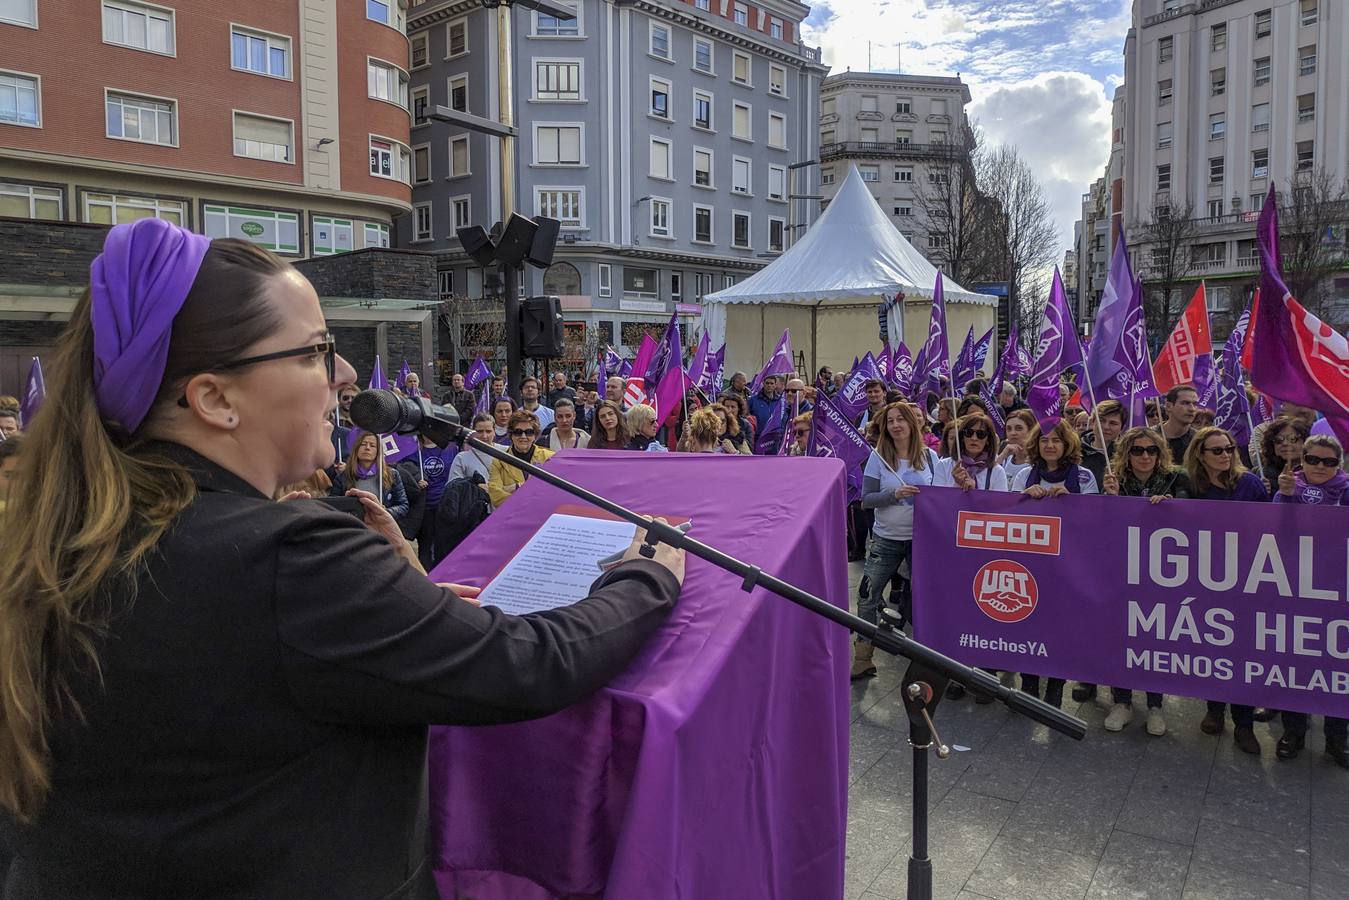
(510, 280)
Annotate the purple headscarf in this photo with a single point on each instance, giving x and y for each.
(138, 284)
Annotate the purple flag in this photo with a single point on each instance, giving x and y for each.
(625, 369)
(668, 346)
(780, 363)
(1135, 362)
(770, 432)
(396, 446)
(1015, 361)
(1205, 380)
(962, 370)
(832, 434)
(1104, 368)
(401, 382)
(901, 368)
(34, 393)
(710, 382)
(1233, 410)
(477, 373)
(1058, 350)
(981, 346)
(885, 362)
(934, 358)
(851, 399)
(698, 364)
(667, 386)
(378, 380)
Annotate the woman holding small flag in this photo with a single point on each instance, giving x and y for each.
(977, 465)
(365, 471)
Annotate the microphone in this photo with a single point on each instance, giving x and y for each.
(385, 412)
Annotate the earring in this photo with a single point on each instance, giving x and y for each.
(231, 420)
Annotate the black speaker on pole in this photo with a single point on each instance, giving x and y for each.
(545, 239)
(516, 239)
(477, 244)
(541, 327)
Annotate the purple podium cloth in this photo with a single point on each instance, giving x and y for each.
(716, 765)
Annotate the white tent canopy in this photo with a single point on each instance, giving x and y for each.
(847, 261)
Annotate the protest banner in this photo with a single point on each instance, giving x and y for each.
(1187, 597)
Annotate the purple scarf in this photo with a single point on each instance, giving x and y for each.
(1331, 493)
(975, 466)
(366, 471)
(1068, 476)
(137, 286)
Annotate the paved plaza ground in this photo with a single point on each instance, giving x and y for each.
(1029, 815)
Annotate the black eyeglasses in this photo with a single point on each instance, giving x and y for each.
(802, 432)
(1144, 451)
(1220, 451)
(979, 433)
(328, 348)
(1327, 461)
(523, 432)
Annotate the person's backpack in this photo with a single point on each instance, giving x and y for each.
(462, 508)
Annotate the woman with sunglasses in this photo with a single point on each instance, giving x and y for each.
(801, 434)
(735, 436)
(1281, 447)
(366, 471)
(205, 689)
(642, 425)
(1216, 473)
(504, 479)
(611, 428)
(977, 465)
(1142, 467)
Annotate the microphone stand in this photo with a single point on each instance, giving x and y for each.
(924, 684)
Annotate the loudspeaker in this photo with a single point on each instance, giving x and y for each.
(541, 327)
(516, 239)
(545, 239)
(477, 244)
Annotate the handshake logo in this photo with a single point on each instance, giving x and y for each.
(1005, 591)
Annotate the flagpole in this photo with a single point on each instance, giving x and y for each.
(1091, 392)
(337, 423)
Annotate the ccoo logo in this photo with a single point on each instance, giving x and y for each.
(1005, 590)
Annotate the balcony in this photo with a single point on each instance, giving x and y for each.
(887, 150)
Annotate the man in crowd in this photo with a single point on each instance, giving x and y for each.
(9, 423)
(529, 402)
(498, 389)
(825, 380)
(9, 461)
(559, 390)
(1008, 400)
(762, 404)
(1182, 403)
(1110, 415)
(875, 389)
(796, 396)
(412, 386)
(461, 398)
(613, 389)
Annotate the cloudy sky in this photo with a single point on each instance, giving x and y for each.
(1041, 72)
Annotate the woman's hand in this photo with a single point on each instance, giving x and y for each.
(466, 592)
(1287, 483)
(1039, 491)
(295, 495)
(1111, 484)
(961, 476)
(377, 518)
(1158, 498)
(1056, 490)
(422, 483)
(905, 492)
(1005, 453)
(670, 557)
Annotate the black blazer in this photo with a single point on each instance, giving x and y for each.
(261, 729)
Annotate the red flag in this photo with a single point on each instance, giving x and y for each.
(1249, 343)
(1075, 399)
(1188, 341)
(635, 390)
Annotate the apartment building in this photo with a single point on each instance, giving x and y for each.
(903, 132)
(661, 133)
(1102, 220)
(1222, 99)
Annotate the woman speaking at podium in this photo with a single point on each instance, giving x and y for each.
(206, 693)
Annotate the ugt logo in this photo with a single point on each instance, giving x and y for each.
(1005, 591)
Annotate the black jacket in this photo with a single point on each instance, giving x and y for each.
(463, 403)
(261, 728)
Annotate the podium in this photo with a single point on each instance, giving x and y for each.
(717, 764)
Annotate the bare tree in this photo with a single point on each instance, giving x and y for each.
(1312, 219)
(1024, 238)
(948, 200)
(478, 328)
(1169, 242)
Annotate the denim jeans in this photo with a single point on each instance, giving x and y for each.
(1126, 696)
(883, 560)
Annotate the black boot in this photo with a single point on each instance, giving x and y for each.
(1291, 744)
(1083, 691)
(1054, 692)
(1336, 750)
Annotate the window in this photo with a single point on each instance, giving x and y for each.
(459, 156)
(145, 119)
(421, 222)
(740, 122)
(827, 107)
(456, 38)
(1164, 92)
(777, 130)
(557, 145)
(870, 173)
(1165, 49)
(1210, 253)
(1308, 12)
(19, 12)
(870, 135)
(268, 228)
(1217, 126)
(421, 164)
(639, 283)
(702, 110)
(904, 174)
(20, 99)
(775, 28)
(421, 99)
(660, 217)
(118, 209)
(1263, 23)
(1217, 81)
(740, 230)
(461, 211)
(1260, 117)
(740, 175)
(458, 91)
(1260, 163)
(139, 26)
(1306, 60)
(1306, 155)
(445, 278)
(418, 54)
(660, 99)
(659, 41)
(261, 137)
(660, 159)
(741, 14)
(390, 159)
(606, 284)
(386, 12)
(260, 53)
(776, 229)
(1163, 135)
(938, 137)
(904, 106)
(741, 67)
(1218, 38)
(376, 235)
(936, 241)
(550, 26)
(331, 236)
(1215, 209)
(1215, 170)
(777, 182)
(563, 204)
(677, 287)
(777, 80)
(827, 137)
(704, 5)
(1306, 107)
(557, 80)
(1164, 177)
(826, 175)
(386, 82)
(702, 285)
(869, 103)
(1261, 71)
(702, 167)
(938, 176)
(905, 210)
(938, 107)
(702, 55)
(23, 201)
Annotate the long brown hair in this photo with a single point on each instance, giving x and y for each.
(599, 439)
(89, 503)
(1194, 466)
(349, 473)
(1120, 465)
(916, 452)
(1072, 444)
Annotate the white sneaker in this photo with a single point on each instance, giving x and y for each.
(1119, 716)
(1156, 722)
(1104, 700)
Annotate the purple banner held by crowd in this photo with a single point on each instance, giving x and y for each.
(1186, 597)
